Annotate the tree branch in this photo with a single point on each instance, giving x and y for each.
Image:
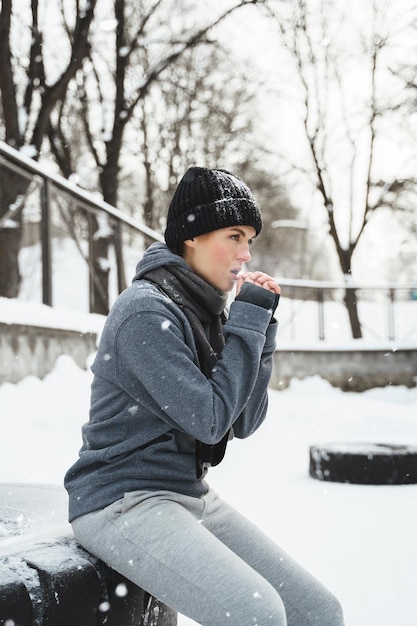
(56, 92)
(7, 87)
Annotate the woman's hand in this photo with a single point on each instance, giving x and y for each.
(258, 278)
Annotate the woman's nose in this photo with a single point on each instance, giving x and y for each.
(245, 255)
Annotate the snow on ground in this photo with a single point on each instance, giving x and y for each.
(359, 540)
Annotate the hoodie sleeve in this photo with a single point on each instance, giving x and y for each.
(255, 410)
(156, 363)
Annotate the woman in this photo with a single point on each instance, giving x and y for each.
(174, 380)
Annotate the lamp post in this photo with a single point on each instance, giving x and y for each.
(304, 227)
(297, 224)
(300, 225)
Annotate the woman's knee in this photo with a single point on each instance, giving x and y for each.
(269, 614)
(333, 612)
(326, 612)
(316, 605)
(263, 608)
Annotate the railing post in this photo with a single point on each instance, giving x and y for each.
(118, 244)
(46, 243)
(391, 315)
(291, 297)
(90, 262)
(320, 300)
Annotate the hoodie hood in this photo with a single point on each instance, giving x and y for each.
(158, 255)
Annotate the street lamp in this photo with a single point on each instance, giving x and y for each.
(297, 224)
(300, 225)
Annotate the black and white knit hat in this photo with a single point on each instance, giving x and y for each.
(206, 200)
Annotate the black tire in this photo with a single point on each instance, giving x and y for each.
(364, 463)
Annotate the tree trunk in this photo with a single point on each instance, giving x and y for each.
(101, 276)
(9, 261)
(352, 308)
(12, 186)
(99, 268)
(101, 241)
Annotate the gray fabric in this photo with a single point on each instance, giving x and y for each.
(205, 560)
(150, 401)
(202, 305)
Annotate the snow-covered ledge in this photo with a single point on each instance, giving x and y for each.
(33, 336)
(354, 366)
(33, 350)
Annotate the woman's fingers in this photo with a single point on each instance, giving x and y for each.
(260, 279)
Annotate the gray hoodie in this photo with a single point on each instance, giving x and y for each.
(150, 401)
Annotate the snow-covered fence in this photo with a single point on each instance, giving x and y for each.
(312, 310)
(59, 224)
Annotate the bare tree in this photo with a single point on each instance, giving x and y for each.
(342, 121)
(139, 51)
(28, 97)
(203, 113)
(200, 114)
(120, 77)
(134, 62)
(405, 104)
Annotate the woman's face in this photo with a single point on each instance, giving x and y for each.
(218, 257)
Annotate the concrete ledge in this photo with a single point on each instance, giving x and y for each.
(47, 579)
(33, 350)
(350, 369)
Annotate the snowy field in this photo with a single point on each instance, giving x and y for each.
(359, 540)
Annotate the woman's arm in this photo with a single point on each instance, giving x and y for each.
(156, 363)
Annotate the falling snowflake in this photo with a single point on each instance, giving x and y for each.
(121, 590)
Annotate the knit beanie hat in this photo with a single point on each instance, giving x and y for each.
(206, 200)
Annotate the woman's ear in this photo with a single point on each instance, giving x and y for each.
(188, 247)
(190, 243)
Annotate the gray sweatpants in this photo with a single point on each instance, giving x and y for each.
(205, 560)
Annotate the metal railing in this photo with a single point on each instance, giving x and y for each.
(54, 210)
(317, 308)
(57, 267)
